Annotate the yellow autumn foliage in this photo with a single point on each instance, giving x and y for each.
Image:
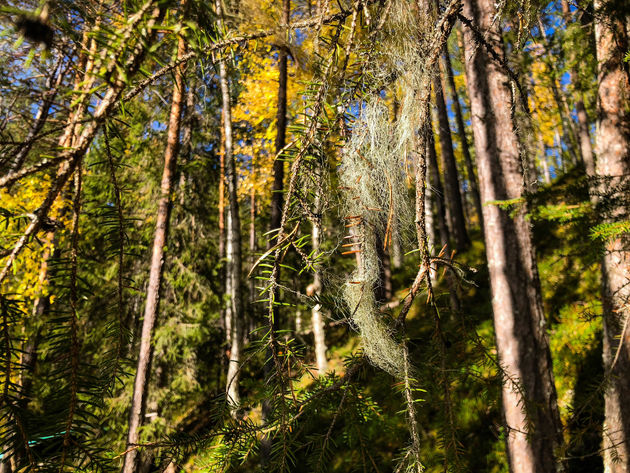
(254, 118)
(541, 101)
(20, 203)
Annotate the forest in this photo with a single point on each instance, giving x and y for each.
(315, 236)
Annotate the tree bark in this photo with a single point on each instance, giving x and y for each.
(461, 130)
(613, 170)
(277, 201)
(529, 396)
(252, 256)
(221, 209)
(429, 220)
(584, 136)
(544, 163)
(436, 183)
(569, 134)
(317, 320)
(396, 251)
(277, 197)
(451, 181)
(157, 262)
(234, 309)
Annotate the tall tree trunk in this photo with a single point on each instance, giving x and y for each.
(317, 321)
(222, 191)
(461, 131)
(569, 135)
(529, 395)
(429, 220)
(544, 163)
(613, 169)
(157, 261)
(222, 235)
(436, 183)
(560, 165)
(234, 309)
(396, 250)
(252, 257)
(277, 200)
(584, 136)
(451, 181)
(277, 197)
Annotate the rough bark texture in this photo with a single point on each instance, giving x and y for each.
(461, 130)
(613, 170)
(529, 395)
(457, 220)
(157, 261)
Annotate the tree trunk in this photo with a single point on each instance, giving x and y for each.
(584, 136)
(613, 169)
(429, 220)
(252, 258)
(461, 130)
(436, 183)
(529, 396)
(569, 135)
(157, 261)
(234, 308)
(277, 197)
(317, 321)
(277, 200)
(544, 163)
(451, 181)
(221, 272)
(396, 251)
(586, 148)
(560, 166)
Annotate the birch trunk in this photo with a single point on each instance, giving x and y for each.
(253, 247)
(317, 321)
(234, 307)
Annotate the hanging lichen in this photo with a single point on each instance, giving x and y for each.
(372, 171)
